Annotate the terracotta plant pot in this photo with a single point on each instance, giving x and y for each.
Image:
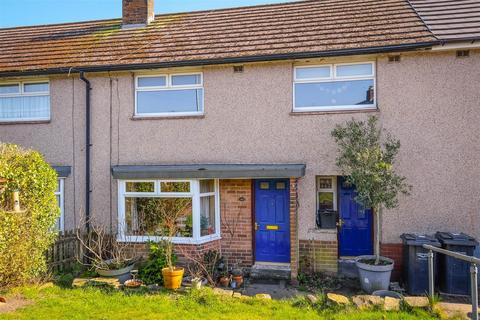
(238, 279)
(224, 281)
(172, 279)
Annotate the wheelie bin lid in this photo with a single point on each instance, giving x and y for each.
(413, 239)
(458, 239)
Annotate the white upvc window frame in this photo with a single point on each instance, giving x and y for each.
(194, 193)
(22, 93)
(333, 189)
(169, 86)
(60, 192)
(334, 78)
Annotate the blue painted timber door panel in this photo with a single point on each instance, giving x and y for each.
(272, 217)
(355, 234)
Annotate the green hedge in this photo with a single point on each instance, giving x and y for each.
(24, 237)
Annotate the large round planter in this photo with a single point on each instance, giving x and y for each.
(374, 277)
(172, 279)
(121, 274)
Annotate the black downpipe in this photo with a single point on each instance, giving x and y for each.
(88, 144)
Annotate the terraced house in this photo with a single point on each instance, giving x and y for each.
(233, 110)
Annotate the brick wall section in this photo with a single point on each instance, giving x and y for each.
(293, 230)
(394, 251)
(236, 221)
(137, 11)
(181, 250)
(316, 256)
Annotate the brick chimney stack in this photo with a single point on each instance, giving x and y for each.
(137, 13)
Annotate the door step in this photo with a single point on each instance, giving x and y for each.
(270, 272)
(347, 267)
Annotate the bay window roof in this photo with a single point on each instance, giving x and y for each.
(209, 171)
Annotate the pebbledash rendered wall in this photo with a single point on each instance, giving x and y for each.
(429, 100)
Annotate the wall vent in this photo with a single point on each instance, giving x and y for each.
(463, 53)
(237, 69)
(395, 58)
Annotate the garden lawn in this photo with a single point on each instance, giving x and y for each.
(57, 303)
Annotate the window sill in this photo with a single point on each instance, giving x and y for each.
(7, 122)
(144, 239)
(324, 231)
(332, 111)
(168, 117)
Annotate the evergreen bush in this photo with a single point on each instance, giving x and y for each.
(25, 235)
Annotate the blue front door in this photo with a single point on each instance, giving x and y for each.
(272, 220)
(355, 224)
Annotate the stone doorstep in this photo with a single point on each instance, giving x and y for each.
(270, 272)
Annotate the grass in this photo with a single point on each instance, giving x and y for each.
(90, 303)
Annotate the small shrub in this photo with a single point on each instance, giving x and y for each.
(319, 281)
(25, 236)
(151, 271)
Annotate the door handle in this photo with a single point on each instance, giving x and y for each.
(256, 226)
(340, 223)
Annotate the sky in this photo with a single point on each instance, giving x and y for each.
(14, 13)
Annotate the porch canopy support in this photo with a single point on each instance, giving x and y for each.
(227, 171)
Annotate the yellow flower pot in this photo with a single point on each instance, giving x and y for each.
(172, 279)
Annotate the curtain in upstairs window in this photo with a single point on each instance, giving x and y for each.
(26, 107)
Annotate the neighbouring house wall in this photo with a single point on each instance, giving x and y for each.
(430, 101)
(61, 140)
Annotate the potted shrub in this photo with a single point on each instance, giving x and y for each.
(366, 159)
(150, 271)
(105, 254)
(170, 212)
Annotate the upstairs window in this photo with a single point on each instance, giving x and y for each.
(24, 101)
(169, 95)
(334, 87)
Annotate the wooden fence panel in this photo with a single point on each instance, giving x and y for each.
(64, 253)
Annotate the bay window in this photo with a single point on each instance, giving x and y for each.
(24, 101)
(169, 95)
(195, 203)
(346, 86)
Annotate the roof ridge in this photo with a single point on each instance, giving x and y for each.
(286, 3)
(289, 2)
(421, 19)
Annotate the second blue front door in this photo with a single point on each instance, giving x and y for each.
(355, 223)
(272, 220)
